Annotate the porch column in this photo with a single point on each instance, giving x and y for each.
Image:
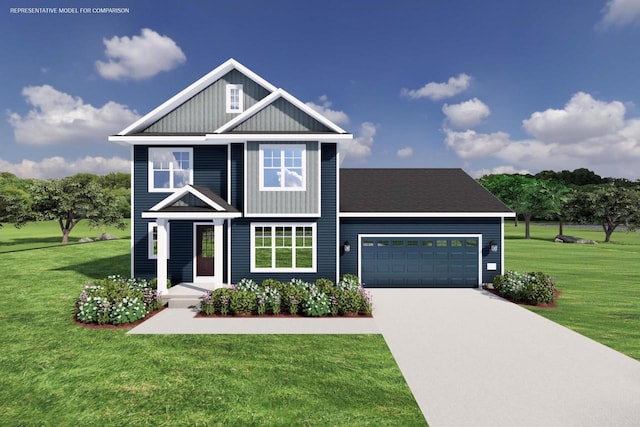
(162, 256)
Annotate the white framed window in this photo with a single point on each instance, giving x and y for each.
(283, 247)
(152, 240)
(282, 167)
(235, 99)
(170, 168)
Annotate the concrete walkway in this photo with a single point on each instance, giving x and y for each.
(470, 358)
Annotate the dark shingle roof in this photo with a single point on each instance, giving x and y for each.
(414, 190)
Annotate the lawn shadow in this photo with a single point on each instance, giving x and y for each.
(540, 239)
(101, 267)
(29, 243)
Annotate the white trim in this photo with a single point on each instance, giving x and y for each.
(150, 227)
(282, 215)
(245, 185)
(229, 175)
(293, 225)
(191, 215)
(403, 236)
(163, 255)
(426, 214)
(229, 251)
(502, 246)
(338, 241)
(150, 170)
(255, 108)
(319, 176)
(228, 89)
(193, 89)
(217, 253)
(132, 260)
(282, 148)
(213, 139)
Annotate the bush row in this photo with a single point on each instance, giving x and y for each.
(530, 288)
(321, 298)
(116, 300)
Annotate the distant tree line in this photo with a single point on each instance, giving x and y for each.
(580, 196)
(98, 199)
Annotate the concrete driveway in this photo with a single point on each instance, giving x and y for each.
(472, 359)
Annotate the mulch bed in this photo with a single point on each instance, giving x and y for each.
(552, 304)
(122, 326)
(285, 315)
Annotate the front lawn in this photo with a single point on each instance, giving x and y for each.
(53, 372)
(600, 284)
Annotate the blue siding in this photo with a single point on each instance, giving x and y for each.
(210, 170)
(237, 176)
(325, 232)
(489, 228)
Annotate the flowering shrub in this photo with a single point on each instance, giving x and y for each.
(530, 288)
(320, 298)
(349, 282)
(116, 300)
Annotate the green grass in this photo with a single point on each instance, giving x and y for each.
(53, 372)
(600, 284)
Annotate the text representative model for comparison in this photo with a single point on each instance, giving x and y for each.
(67, 10)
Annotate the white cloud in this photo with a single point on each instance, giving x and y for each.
(582, 117)
(405, 152)
(466, 114)
(360, 148)
(619, 13)
(586, 133)
(59, 118)
(337, 117)
(58, 167)
(436, 91)
(139, 57)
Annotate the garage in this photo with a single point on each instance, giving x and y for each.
(420, 260)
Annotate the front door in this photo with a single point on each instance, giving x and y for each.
(205, 251)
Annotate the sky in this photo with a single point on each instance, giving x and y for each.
(490, 86)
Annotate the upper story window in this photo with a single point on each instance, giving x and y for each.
(235, 99)
(170, 168)
(282, 167)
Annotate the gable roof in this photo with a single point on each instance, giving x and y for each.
(415, 192)
(204, 82)
(192, 200)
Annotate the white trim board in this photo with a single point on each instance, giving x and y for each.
(426, 214)
(227, 138)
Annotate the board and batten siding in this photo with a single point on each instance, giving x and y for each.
(206, 111)
(210, 170)
(282, 202)
(326, 240)
(281, 116)
(489, 228)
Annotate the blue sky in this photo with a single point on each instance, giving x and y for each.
(489, 86)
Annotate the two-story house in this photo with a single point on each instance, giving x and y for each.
(234, 178)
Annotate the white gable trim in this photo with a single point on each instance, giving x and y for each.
(222, 139)
(193, 89)
(180, 194)
(279, 93)
(426, 214)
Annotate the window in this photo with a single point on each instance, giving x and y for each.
(282, 167)
(235, 99)
(281, 247)
(152, 237)
(170, 168)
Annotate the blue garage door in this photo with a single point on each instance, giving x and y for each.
(396, 261)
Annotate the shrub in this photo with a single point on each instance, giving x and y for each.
(247, 285)
(349, 302)
(349, 282)
(116, 300)
(242, 302)
(530, 288)
(316, 304)
(324, 284)
(206, 303)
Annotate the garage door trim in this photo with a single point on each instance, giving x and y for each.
(403, 236)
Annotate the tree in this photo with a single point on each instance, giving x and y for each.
(72, 199)
(609, 205)
(15, 201)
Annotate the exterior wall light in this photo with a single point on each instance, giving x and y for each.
(346, 246)
(493, 245)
